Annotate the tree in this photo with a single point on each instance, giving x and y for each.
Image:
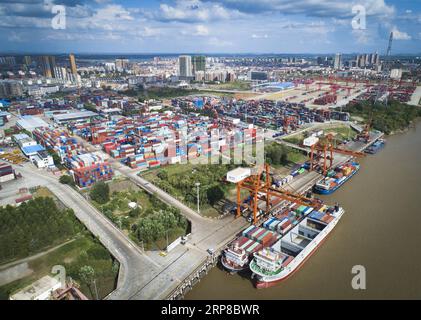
(66, 179)
(87, 276)
(135, 212)
(214, 194)
(163, 175)
(100, 192)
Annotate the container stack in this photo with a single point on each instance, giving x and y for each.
(6, 172)
(89, 168)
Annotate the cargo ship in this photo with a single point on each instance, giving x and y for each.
(336, 178)
(274, 264)
(237, 255)
(375, 147)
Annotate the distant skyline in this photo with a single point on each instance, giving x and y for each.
(209, 26)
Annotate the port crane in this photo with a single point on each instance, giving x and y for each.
(259, 185)
(365, 133)
(324, 149)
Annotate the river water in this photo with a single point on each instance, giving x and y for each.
(381, 230)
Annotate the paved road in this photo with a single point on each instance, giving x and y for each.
(135, 266)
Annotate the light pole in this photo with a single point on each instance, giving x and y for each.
(198, 196)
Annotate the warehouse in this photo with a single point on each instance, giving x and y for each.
(74, 116)
(6, 172)
(30, 123)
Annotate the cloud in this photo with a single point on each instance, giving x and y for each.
(201, 30)
(258, 36)
(216, 42)
(195, 11)
(338, 9)
(400, 35)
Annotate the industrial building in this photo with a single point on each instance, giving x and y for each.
(74, 116)
(257, 75)
(42, 159)
(30, 123)
(6, 172)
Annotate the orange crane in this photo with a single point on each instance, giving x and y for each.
(365, 133)
(324, 149)
(260, 188)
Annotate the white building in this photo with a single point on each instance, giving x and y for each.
(337, 62)
(39, 290)
(185, 68)
(42, 159)
(23, 140)
(396, 74)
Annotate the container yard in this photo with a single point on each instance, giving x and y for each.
(89, 168)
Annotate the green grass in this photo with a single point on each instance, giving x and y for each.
(296, 139)
(72, 256)
(343, 132)
(235, 85)
(118, 211)
(191, 173)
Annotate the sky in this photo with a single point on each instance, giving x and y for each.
(209, 26)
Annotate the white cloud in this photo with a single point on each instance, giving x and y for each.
(400, 35)
(195, 10)
(258, 36)
(201, 30)
(216, 42)
(321, 8)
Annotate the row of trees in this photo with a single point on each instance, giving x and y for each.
(100, 192)
(395, 116)
(276, 154)
(33, 226)
(159, 224)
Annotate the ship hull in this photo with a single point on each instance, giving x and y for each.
(330, 191)
(232, 268)
(269, 281)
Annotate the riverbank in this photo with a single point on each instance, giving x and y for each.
(378, 231)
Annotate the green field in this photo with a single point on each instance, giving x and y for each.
(388, 119)
(179, 180)
(85, 250)
(340, 133)
(151, 214)
(235, 85)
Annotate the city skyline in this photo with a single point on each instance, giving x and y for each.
(207, 26)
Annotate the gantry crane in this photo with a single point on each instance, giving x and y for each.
(324, 149)
(258, 183)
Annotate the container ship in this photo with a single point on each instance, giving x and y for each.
(274, 264)
(375, 147)
(237, 255)
(336, 178)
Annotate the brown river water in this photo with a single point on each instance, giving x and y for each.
(380, 230)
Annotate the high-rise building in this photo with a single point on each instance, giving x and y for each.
(73, 68)
(185, 69)
(121, 64)
(11, 61)
(48, 63)
(10, 89)
(60, 73)
(27, 60)
(337, 62)
(376, 59)
(198, 63)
